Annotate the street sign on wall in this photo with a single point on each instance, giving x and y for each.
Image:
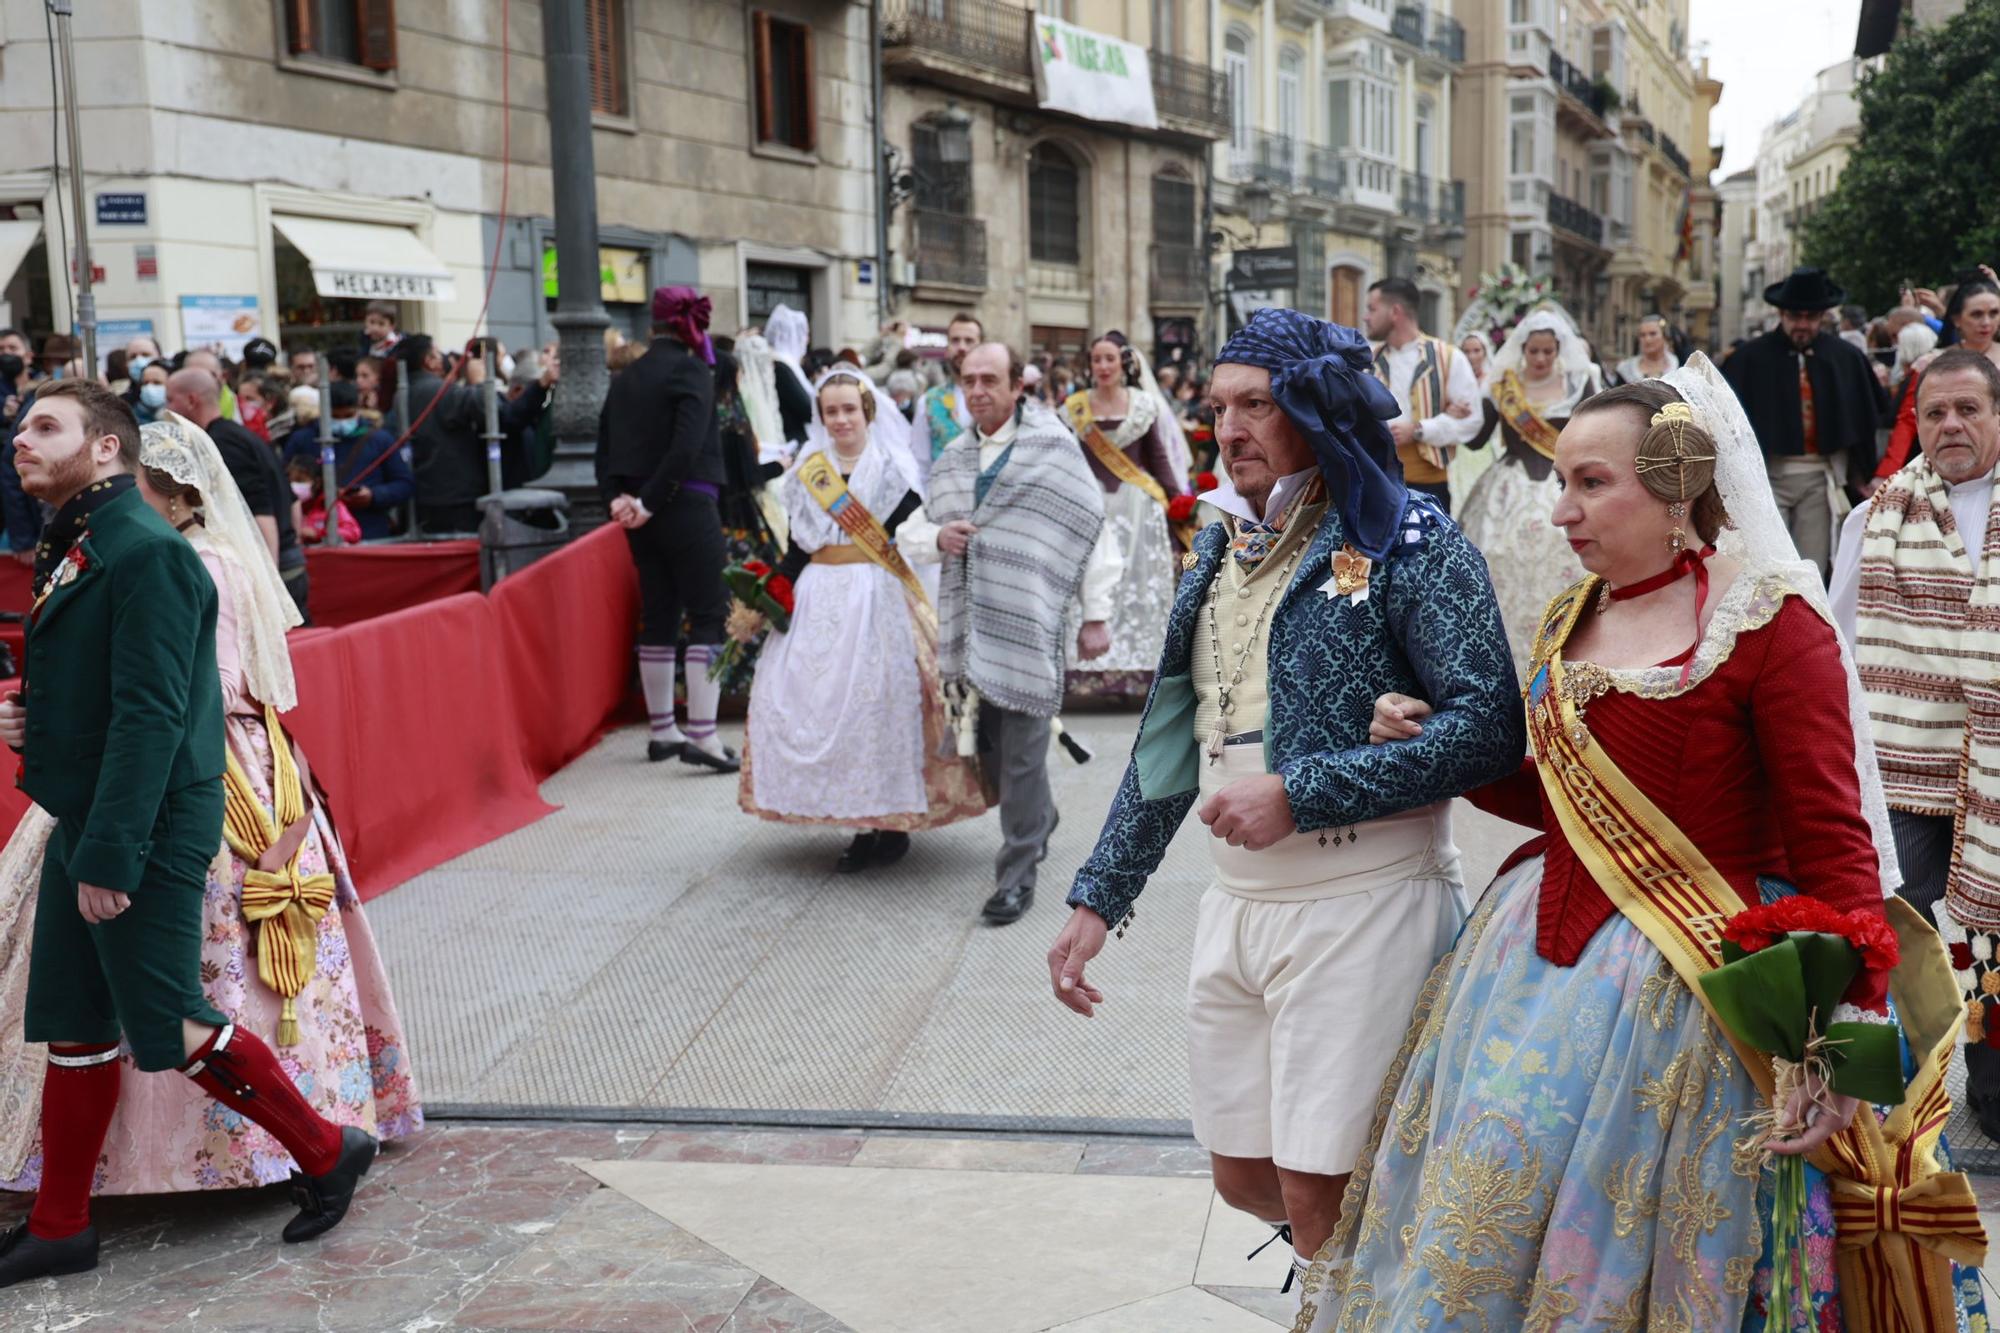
(1274, 266)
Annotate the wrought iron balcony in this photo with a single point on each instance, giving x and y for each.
(1575, 219)
(1408, 24)
(1180, 275)
(950, 248)
(1447, 39)
(1450, 204)
(1273, 158)
(1325, 173)
(985, 34)
(1577, 84)
(1674, 155)
(1189, 91)
(1640, 126)
(1417, 198)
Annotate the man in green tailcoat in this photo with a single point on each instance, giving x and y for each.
(119, 727)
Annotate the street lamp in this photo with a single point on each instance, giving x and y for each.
(1257, 200)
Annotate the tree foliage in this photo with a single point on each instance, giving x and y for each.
(1917, 197)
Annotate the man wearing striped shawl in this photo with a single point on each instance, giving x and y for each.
(1917, 591)
(1020, 517)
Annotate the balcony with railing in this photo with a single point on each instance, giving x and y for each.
(1418, 201)
(950, 249)
(981, 40)
(1568, 215)
(1180, 275)
(1583, 99)
(1408, 24)
(1191, 92)
(1447, 39)
(1672, 152)
(1640, 127)
(1434, 203)
(1450, 204)
(1325, 174)
(1272, 158)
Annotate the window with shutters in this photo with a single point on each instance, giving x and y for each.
(783, 52)
(346, 32)
(610, 77)
(1055, 220)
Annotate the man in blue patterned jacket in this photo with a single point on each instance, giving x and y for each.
(1336, 880)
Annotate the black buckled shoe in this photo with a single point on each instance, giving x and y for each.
(860, 854)
(24, 1256)
(661, 751)
(1008, 905)
(726, 762)
(891, 848)
(323, 1200)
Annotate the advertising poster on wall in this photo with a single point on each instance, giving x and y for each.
(220, 324)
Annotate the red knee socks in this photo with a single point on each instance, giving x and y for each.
(241, 1072)
(78, 1096)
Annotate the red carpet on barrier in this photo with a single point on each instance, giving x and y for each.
(431, 727)
(347, 584)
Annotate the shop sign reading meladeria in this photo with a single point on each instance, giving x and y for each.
(1091, 74)
(356, 285)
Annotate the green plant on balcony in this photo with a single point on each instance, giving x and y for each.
(1613, 99)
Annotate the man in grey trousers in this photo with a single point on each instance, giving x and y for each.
(1021, 522)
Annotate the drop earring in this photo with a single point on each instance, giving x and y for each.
(1677, 539)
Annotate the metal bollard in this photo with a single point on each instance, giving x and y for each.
(402, 409)
(328, 472)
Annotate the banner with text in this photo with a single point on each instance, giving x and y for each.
(1092, 75)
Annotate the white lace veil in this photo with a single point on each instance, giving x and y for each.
(790, 333)
(889, 430)
(1579, 372)
(1485, 373)
(756, 382)
(1179, 456)
(264, 610)
(1757, 537)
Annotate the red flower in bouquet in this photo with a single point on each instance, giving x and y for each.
(1205, 482)
(756, 568)
(1181, 508)
(780, 589)
(1760, 927)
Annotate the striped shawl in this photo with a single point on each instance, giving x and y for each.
(1004, 606)
(1928, 650)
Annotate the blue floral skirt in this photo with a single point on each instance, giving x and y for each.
(1563, 1147)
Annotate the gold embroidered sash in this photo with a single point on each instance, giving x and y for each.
(824, 483)
(1510, 396)
(1120, 464)
(285, 906)
(1900, 1219)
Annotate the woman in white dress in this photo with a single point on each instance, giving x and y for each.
(1132, 440)
(1656, 353)
(1535, 380)
(1470, 461)
(846, 721)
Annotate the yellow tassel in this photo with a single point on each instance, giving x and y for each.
(288, 1024)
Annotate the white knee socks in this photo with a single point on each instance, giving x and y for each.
(704, 696)
(656, 679)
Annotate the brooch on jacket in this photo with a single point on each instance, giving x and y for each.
(1350, 576)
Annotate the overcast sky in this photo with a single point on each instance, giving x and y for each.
(1766, 53)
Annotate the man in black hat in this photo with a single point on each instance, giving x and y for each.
(1814, 402)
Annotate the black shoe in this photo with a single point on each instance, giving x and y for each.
(323, 1200)
(1008, 905)
(659, 751)
(25, 1256)
(891, 848)
(726, 762)
(860, 854)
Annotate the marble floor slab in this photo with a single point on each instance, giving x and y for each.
(903, 1250)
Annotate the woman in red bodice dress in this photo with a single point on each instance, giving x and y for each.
(1560, 1143)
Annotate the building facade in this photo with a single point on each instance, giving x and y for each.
(1052, 225)
(1570, 124)
(1737, 196)
(1799, 161)
(265, 168)
(1338, 167)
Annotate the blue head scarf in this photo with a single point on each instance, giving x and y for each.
(1322, 375)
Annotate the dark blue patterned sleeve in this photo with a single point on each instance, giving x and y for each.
(1129, 848)
(1443, 615)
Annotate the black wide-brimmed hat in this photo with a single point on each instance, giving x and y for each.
(1806, 289)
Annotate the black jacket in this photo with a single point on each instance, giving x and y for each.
(659, 428)
(448, 457)
(1848, 401)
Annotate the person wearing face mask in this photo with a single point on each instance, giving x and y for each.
(356, 448)
(1814, 402)
(149, 391)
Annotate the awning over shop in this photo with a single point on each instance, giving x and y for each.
(16, 239)
(364, 261)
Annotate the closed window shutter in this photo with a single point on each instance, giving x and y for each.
(808, 131)
(765, 116)
(606, 34)
(299, 26)
(377, 22)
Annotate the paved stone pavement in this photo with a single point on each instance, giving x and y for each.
(651, 949)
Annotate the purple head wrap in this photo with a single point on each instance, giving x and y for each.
(684, 312)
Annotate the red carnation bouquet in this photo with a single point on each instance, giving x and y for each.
(762, 598)
(1181, 508)
(1204, 482)
(1785, 967)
